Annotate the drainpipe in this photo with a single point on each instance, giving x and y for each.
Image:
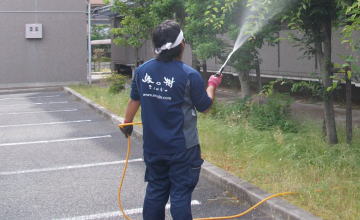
(89, 43)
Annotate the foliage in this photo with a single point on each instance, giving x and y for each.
(234, 112)
(311, 18)
(136, 23)
(244, 59)
(217, 13)
(307, 88)
(310, 88)
(224, 17)
(98, 53)
(352, 22)
(117, 83)
(272, 112)
(139, 17)
(202, 37)
(269, 88)
(307, 16)
(169, 9)
(98, 56)
(100, 32)
(105, 59)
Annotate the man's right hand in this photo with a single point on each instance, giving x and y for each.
(215, 81)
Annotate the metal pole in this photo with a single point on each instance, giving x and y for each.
(89, 43)
(39, 12)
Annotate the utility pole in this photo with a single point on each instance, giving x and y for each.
(89, 43)
(348, 86)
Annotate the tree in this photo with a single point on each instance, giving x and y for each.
(254, 14)
(98, 55)
(169, 9)
(315, 20)
(243, 61)
(202, 36)
(247, 57)
(100, 32)
(352, 24)
(136, 24)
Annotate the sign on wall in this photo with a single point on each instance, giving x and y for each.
(33, 31)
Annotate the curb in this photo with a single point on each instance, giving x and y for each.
(277, 208)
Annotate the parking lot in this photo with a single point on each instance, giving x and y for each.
(59, 159)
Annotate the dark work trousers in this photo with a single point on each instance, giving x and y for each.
(174, 175)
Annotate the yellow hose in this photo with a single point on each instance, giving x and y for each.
(208, 218)
(122, 180)
(248, 210)
(128, 152)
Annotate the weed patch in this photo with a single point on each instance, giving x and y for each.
(117, 83)
(274, 112)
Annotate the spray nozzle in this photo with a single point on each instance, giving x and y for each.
(219, 73)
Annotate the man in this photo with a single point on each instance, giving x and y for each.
(169, 93)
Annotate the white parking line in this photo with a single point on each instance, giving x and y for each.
(37, 112)
(37, 103)
(31, 97)
(54, 141)
(116, 214)
(68, 167)
(47, 123)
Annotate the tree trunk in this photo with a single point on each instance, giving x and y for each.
(324, 127)
(323, 50)
(204, 66)
(245, 84)
(258, 74)
(137, 57)
(180, 16)
(348, 110)
(195, 62)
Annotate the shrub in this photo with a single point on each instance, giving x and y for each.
(261, 112)
(275, 112)
(117, 83)
(233, 112)
(308, 89)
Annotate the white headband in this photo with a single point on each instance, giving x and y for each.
(170, 45)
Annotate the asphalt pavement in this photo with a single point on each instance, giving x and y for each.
(59, 159)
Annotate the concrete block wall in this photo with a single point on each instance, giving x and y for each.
(60, 57)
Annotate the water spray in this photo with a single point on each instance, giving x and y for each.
(252, 22)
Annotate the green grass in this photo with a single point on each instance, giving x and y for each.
(327, 177)
(116, 103)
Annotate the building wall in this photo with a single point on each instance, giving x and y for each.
(289, 60)
(127, 55)
(60, 57)
(283, 59)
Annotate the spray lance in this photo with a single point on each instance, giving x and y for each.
(236, 47)
(220, 72)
